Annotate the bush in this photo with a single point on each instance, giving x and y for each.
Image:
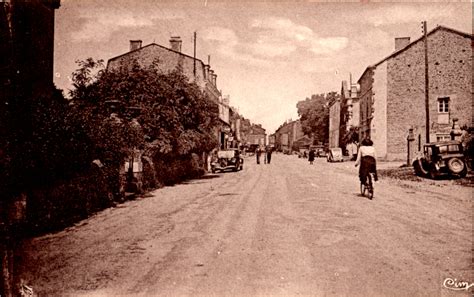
(67, 201)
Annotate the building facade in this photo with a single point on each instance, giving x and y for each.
(392, 92)
(257, 135)
(287, 134)
(350, 112)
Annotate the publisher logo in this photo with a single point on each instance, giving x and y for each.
(456, 285)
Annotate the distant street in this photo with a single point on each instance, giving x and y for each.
(279, 229)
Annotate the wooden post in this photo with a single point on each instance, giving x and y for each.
(427, 95)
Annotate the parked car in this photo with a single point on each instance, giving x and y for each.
(303, 153)
(441, 158)
(252, 148)
(319, 151)
(335, 155)
(228, 159)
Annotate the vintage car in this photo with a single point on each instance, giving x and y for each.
(228, 159)
(441, 158)
(335, 155)
(319, 151)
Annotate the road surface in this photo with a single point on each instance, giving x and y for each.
(280, 229)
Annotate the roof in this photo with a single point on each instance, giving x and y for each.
(443, 143)
(467, 35)
(149, 45)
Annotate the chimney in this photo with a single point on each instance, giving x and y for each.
(175, 43)
(211, 76)
(135, 44)
(206, 71)
(401, 42)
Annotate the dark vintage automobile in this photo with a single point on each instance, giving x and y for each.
(441, 158)
(228, 159)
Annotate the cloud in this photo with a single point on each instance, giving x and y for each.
(228, 45)
(282, 37)
(283, 27)
(407, 14)
(271, 48)
(220, 35)
(99, 27)
(328, 45)
(274, 43)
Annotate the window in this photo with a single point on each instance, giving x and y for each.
(443, 105)
(443, 110)
(443, 137)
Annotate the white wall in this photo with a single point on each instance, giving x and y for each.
(379, 122)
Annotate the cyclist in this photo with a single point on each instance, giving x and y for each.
(366, 159)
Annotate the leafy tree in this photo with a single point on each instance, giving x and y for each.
(175, 118)
(314, 115)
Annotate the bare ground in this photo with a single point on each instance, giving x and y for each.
(283, 229)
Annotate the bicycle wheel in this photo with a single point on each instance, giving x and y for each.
(370, 186)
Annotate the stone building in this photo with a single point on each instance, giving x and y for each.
(349, 110)
(257, 135)
(287, 134)
(392, 92)
(169, 59)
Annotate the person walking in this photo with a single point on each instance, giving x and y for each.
(269, 154)
(311, 156)
(258, 152)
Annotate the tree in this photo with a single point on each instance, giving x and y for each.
(314, 115)
(175, 116)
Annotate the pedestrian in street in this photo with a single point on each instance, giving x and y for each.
(258, 152)
(311, 156)
(269, 154)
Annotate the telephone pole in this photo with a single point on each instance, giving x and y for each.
(194, 69)
(427, 85)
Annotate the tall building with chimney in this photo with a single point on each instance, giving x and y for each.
(392, 92)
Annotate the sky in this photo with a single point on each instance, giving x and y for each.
(267, 55)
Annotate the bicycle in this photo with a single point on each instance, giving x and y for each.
(368, 187)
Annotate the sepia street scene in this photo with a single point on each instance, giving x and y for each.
(236, 148)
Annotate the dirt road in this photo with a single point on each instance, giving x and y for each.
(283, 229)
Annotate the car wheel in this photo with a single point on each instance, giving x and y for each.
(463, 173)
(419, 170)
(456, 165)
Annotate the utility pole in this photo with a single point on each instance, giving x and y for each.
(427, 85)
(194, 70)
